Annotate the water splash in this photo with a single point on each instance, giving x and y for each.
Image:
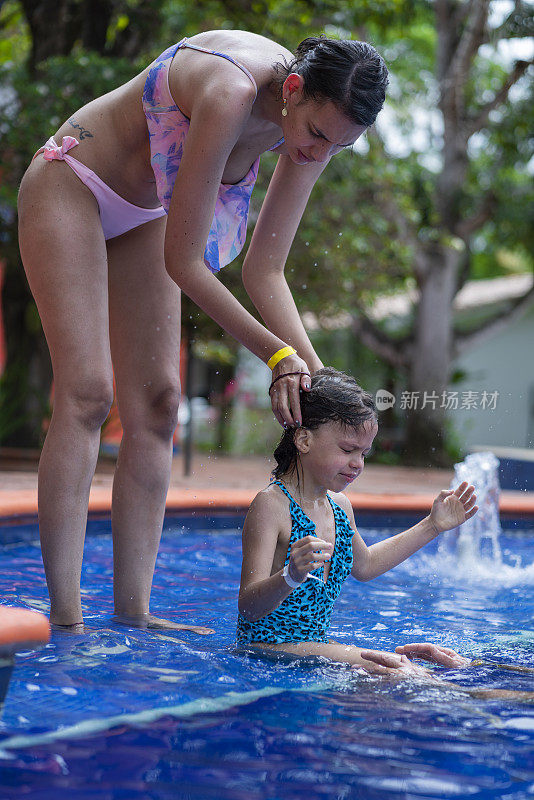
(483, 530)
(473, 550)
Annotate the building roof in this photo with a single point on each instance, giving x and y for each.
(474, 294)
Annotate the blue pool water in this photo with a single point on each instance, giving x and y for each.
(118, 713)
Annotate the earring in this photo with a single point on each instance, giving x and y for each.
(284, 110)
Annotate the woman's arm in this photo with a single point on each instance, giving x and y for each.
(217, 120)
(263, 268)
(449, 510)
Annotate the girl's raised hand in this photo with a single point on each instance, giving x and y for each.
(289, 376)
(307, 554)
(453, 507)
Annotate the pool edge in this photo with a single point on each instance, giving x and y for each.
(16, 506)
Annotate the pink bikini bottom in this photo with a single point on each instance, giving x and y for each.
(116, 213)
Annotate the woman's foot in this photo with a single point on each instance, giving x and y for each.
(149, 621)
(77, 627)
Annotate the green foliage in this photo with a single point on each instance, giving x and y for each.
(14, 35)
(34, 109)
(290, 21)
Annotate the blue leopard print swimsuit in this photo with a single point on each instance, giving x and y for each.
(304, 615)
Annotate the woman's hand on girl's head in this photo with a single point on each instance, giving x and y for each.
(453, 507)
(290, 375)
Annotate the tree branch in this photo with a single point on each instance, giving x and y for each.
(470, 41)
(461, 14)
(391, 350)
(475, 124)
(467, 227)
(518, 24)
(388, 203)
(497, 323)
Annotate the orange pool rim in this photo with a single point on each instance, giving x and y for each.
(23, 503)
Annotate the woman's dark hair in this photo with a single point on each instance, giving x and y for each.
(350, 74)
(333, 397)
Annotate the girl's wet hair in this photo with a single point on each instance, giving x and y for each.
(333, 397)
(350, 74)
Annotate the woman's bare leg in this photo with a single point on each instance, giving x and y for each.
(145, 343)
(64, 255)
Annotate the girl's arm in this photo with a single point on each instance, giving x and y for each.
(449, 510)
(260, 592)
(263, 267)
(217, 120)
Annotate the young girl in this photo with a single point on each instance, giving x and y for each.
(300, 540)
(145, 192)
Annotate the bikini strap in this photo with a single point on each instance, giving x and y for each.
(278, 143)
(53, 152)
(186, 43)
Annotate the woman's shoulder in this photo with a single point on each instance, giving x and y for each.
(245, 67)
(234, 39)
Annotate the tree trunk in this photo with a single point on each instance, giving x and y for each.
(54, 27)
(96, 18)
(430, 365)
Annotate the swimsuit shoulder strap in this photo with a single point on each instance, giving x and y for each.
(298, 515)
(340, 516)
(285, 491)
(186, 43)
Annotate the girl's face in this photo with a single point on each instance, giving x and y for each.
(314, 131)
(332, 455)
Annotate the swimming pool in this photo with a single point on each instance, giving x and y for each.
(119, 713)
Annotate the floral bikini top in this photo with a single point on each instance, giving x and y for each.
(168, 128)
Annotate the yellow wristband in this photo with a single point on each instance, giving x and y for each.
(279, 355)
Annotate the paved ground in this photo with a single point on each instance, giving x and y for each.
(230, 472)
(232, 481)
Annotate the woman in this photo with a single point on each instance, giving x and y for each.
(135, 195)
